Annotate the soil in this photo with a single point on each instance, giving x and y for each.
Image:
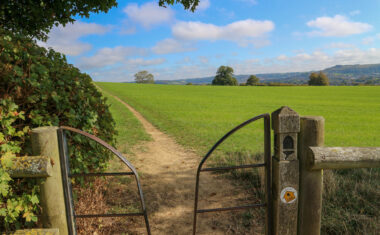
(167, 172)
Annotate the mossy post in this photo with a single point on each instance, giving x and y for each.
(45, 143)
(311, 184)
(285, 171)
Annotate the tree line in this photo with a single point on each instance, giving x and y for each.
(225, 77)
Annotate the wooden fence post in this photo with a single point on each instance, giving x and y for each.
(311, 184)
(285, 171)
(45, 143)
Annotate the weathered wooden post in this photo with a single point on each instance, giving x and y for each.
(45, 143)
(311, 184)
(313, 159)
(286, 125)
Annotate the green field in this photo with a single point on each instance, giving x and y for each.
(197, 116)
(129, 130)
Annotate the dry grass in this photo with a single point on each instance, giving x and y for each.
(95, 198)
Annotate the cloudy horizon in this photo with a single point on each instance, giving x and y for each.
(251, 36)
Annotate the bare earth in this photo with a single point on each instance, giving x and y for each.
(167, 172)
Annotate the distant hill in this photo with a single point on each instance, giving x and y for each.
(338, 75)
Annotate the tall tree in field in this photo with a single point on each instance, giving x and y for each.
(36, 18)
(318, 79)
(252, 81)
(144, 77)
(224, 77)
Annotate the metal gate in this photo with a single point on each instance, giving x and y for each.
(66, 176)
(266, 164)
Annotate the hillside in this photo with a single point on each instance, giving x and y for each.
(338, 74)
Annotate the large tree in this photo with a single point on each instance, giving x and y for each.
(144, 77)
(35, 18)
(318, 79)
(252, 81)
(224, 77)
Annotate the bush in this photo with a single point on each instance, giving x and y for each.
(39, 88)
(252, 80)
(318, 79)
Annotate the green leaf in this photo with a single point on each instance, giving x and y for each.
(4, 189)
(34, 199)
(7, 160)
(3, 212)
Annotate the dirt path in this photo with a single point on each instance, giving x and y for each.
(168, 173)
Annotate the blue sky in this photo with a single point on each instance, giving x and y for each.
(251, 36)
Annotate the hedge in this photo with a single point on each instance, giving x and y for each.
(39, 88)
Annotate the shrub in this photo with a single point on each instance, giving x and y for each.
(318, 79)
(39, 88)
(252, 80)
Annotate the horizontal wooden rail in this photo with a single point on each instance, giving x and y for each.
(343, 157)
(31, 167)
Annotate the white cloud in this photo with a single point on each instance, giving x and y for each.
(169, 45)
(143, 62)
(243, 32)
(370, 40)
(301, 62)
(110, 56)
(188, 68)
(66, 39)
(203, 5)
(282, 57)
(339, 45)
(149, 14)
(337, 26)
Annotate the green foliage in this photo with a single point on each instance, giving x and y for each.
(39, 88)
(36, 18)
(144, 77)
(224, 77)
(318, 79)
(252, 81)
(16, 208)
(187, 4)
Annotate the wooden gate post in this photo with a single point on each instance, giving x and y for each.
(311, 184)
(45, 143)
(285, 171)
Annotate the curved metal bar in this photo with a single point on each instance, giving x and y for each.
(230, 133)
(102, 142)
(120, 156)
(266, 116)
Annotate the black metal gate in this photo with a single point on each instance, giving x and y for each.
(66, 175)
(267, 164)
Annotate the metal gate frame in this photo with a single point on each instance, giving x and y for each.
(66, 175)
(267, 164)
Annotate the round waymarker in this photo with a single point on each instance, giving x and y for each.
(288, 195)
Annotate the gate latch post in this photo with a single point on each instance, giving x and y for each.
(285, 171)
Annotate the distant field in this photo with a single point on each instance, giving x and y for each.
(197, 116)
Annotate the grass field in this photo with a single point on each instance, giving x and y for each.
(197, 116)
(130, 130)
